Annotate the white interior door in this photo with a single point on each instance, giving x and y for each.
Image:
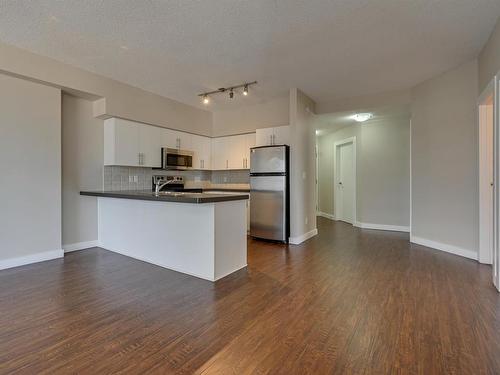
(345, 183)
(486, 177)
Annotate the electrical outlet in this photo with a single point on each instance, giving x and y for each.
(225, 179)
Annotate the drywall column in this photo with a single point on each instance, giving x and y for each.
(82, 169)
(444, 162)
(302, 168)
(30, 163)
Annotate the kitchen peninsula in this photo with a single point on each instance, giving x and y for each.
(200, 234)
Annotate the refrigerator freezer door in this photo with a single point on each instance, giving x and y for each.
(268, 207)
(268, 159)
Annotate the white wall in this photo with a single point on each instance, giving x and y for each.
(30, 161)
(119, 99)
(82, 169)
(489, 58)
(274, 112)
(445, 159)
(383, 170)
(302, 166)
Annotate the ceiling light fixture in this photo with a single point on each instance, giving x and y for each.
(362, 117)
(206, 95)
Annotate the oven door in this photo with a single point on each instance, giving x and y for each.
(177, 159)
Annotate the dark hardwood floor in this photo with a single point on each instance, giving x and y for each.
(348, 301)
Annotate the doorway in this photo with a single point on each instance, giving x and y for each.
(345, 180)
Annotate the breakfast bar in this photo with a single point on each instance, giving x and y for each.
(200, 234)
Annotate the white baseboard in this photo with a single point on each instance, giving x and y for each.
(299, 239)
(325, 215)
(80, 246)
(33, 258)
(444, 247)
(394, 228)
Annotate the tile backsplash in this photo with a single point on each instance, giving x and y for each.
(139, 178)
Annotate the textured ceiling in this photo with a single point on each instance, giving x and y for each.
(328, 48)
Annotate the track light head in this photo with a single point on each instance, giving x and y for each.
(245, 90)
(231, 94)
(206, 99)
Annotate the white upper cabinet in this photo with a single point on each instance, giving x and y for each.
(132, 144)
(202, 149)
(281, 135)
(273, 136)
(264, 137)
(219, 153)
(232, 152)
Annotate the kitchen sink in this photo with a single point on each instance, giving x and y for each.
(172, 193)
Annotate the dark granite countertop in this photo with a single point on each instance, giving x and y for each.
(165, 197)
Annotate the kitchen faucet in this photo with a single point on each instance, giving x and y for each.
(159, 184)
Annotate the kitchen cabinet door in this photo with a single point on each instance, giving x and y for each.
(150, 144)
(250, 141)
(281, 135)
(201, 147)
(219, 153)
(236, 156)
(121, 142)
(169, 138)
(264, 137)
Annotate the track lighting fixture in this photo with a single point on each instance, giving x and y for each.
(206, 95)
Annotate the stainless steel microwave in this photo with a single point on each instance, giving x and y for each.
(172, 158)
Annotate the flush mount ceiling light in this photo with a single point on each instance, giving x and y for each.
(206, 95)
(362, 117)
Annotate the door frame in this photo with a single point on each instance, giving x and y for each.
(485, 253)
(496, 173)
(336, 160)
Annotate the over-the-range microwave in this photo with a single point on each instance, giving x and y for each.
(172, 158)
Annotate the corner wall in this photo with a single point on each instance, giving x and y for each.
(302, 168)
(444, 162)
(82, 169)
(30, 161)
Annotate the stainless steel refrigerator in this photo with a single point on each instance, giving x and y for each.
(270, 193)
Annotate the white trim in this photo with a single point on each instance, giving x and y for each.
(444, 247)
(80, 246)
(393, 228)
(33, 258)
(335, 176)
(299, 239)
(325, 215)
